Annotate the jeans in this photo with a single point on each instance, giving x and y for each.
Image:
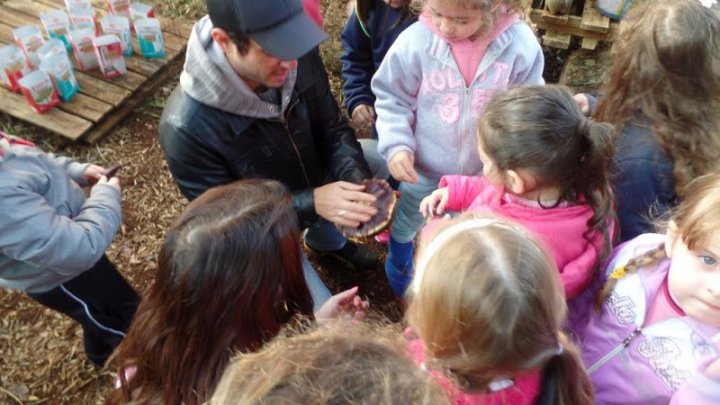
(408, 219)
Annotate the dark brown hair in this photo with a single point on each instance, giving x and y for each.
(229, 277)
(334, 364)
(541, 129)
(667, 69)
(364, 7)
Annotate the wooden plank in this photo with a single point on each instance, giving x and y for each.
(573, 27)
(592, 20)
(55, 120)
(86, 107)
(589, 43)
(111, 120)
(561, 19)
(556, 39)
(131, 81)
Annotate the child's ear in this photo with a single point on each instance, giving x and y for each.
(515, 182)
(671, 236)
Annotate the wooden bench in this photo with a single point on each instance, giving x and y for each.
(589, 25)
(101, 104)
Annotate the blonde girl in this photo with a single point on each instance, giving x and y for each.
(546, 166)
(431, 87)
(663, 95)
(487, 308)
(656, 336)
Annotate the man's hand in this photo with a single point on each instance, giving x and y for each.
(363, 114)
(583, 102)
(402, 167)
(435, 203)
(341, 203)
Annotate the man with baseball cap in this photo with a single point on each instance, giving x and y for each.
(254, 101)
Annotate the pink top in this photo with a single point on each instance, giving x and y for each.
(560, 228)
(524, 389)
(312, 9)
(468, 54)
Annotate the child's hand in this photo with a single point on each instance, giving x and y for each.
(346, 304)
(713, 370)
(114, 182)
(93, 173)
(435, 203)
(402, 167)
(583, 102)
(363, 114)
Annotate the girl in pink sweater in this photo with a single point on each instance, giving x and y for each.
(486, 312)
(545, 166)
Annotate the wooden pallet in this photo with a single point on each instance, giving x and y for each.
(101, 103)
(591, 26)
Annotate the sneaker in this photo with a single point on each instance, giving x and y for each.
(352, 255)
(383, 237)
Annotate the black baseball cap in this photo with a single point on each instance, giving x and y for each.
(280, 27)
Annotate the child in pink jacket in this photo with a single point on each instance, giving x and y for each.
(545, 166)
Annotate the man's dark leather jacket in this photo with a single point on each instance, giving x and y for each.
(207, 147)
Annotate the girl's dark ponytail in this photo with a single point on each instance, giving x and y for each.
(572, 383)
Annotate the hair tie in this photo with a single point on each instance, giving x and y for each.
(560, 349)
(618, 273)
(584, 126)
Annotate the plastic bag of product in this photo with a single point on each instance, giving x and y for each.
(150, 37)
(615, 9)
(57, 25)
(120, 27)
(119, 7)
(83, 17)
(39, 91)
(109, 54)
(141, 10)
(29, 38)
(83, 49)
(13, 66)
(72, 3)
(54, 61)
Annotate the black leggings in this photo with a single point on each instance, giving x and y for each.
(101, 301)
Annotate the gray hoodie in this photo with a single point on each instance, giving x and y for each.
(49, 231)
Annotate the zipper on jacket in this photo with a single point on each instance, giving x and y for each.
(625, 343)
(292, 142)
(466, 111)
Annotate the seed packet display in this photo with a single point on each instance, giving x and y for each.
(150, 37)
(29, 38)
(57, 25)
(13, 66)
(119, 7)
(83, 49)
(54, 61)
(141, 10)
(39, 91)
(82, 16)
(109, 53)
(120, 27)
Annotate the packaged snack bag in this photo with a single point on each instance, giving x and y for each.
(141, 10)
(83, 49)
(54, 61)
(150, 37)
(72, 3)
(110, 58)
(39, 91)
(119, 7)
(83, 17)
(13, 66)
(57, 25)
(28, 38)
(119, 26)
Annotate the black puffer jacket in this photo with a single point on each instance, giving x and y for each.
(206, 147)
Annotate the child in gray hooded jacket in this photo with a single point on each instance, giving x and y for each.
(53, 241)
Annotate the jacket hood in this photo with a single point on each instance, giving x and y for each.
(208, 78)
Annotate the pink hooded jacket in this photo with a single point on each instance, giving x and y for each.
(561, 228)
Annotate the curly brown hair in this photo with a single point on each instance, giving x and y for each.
(667, 69)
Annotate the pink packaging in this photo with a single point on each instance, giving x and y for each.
(119, 7)
(110, 58)
(29, 38)
(39, 91)
(141, 10)
(120, 27)
(83, 17)
(83, 49)
(13, 66)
